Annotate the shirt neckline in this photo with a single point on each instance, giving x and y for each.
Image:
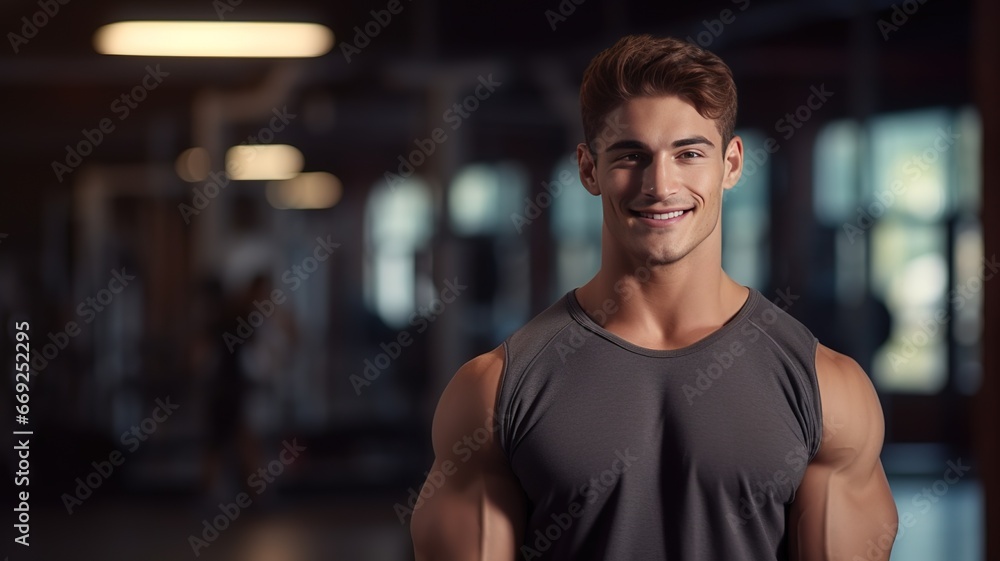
(581, 317)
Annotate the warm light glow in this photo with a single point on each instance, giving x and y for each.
(193, 164)
(214, 39)
(263, 161)
(306, 190)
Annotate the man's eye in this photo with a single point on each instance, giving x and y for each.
(631, 157)
(690, 154)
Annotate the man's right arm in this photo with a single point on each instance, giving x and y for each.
(476, 511)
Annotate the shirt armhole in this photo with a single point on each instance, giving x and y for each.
(817, 405)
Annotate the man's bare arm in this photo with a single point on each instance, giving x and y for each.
(477, 513)
(843, 507)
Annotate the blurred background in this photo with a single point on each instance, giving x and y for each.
(255, 272)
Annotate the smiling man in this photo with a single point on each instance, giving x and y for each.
(661, 410)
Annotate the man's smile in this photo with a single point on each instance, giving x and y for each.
(661, 218)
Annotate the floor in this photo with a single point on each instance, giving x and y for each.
(940, 520)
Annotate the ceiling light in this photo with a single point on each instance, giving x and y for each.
(263, 161)
(214, 39)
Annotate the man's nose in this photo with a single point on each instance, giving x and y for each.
(660, 180)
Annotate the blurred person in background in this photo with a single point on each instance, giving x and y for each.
(243, 377)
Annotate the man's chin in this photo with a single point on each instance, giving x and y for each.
(661, 258)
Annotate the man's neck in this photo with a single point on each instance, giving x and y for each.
(665, 306)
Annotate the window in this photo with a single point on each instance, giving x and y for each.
(483, 196)
(483, 201)
(399, 222)
(903, 195)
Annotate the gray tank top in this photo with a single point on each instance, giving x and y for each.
(690, 454)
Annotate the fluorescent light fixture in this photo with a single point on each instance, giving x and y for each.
(214, 39)
(306, 190)
(263, 161)
(193, 164)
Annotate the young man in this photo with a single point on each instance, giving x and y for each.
(661, 410)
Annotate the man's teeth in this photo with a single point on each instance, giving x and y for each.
(665, 216)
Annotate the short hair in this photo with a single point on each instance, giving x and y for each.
(643, 65)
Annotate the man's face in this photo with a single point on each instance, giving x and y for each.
(660, 157)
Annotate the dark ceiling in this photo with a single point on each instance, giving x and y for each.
(371, 108)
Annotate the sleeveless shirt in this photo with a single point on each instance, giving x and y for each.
(625, 452)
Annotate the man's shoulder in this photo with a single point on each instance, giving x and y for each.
(481, 374)
(528, 342)
(777, 311)
(780, 333)
(852, 414)
(468, 398)
(547, 322)
(841, 375)
(833, 363)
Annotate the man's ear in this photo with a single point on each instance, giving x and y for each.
(588, 169)
(734, 163)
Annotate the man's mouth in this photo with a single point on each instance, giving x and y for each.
(664, 216)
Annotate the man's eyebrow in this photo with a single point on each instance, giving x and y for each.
(679, 143)
(698, 139)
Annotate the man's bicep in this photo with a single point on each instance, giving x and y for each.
(837, 516)
(478, 516)
(470, 506)
(843, 504)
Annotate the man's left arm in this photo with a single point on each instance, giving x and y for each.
(843, 507)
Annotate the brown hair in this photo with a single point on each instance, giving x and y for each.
(643, 65)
